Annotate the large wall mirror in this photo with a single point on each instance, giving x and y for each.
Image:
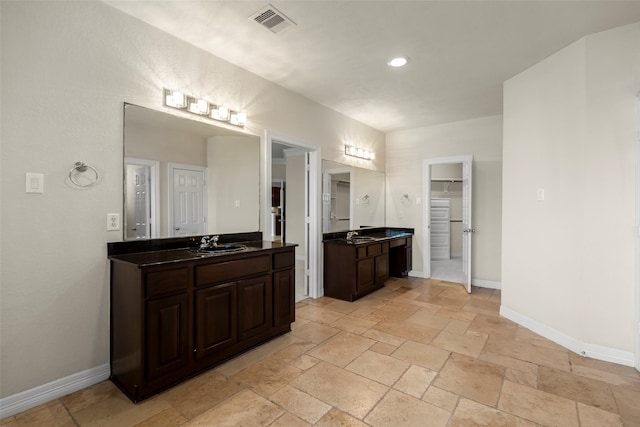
(352, 197)
(184, 177)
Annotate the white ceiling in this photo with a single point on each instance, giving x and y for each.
(461, 51)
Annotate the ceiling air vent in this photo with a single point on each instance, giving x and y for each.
(272, 19)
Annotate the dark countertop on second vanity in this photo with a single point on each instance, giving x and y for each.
(379, 234)
(159, 257)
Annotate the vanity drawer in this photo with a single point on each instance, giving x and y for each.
(398, 242)
(283, 260)
(373, 250)
(232, 270)
(165, 281)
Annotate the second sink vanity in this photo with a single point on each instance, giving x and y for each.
(360, 264)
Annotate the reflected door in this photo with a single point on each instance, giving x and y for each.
(188, 202)
(140, 229)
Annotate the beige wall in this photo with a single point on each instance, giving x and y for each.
(295, 215)
(234, 170)
(368, 212)
(568, 262)
(67, 68)
(406, 151)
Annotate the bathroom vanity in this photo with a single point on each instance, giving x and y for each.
(176, 311)
(359, 265)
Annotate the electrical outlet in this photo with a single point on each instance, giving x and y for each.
(113, 222)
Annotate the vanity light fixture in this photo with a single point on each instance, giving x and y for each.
(238, 119)
(201, 107)
(399, 61)
(220, 113)
(198, 106)
(175, 99)
(350, 150)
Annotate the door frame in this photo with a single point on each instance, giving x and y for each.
(154, 194)
(466, 160)
(312, 200)
(205, 178)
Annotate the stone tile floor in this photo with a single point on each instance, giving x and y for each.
(415, 353)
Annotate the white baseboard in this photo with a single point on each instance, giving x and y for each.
(413, 273)
(594, 351)
(481, 283)
(28, 399)
(486, 284)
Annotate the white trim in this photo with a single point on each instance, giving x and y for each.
(154, 193)
(28, 399)
(481, 283)
(420, 274)
(490, 284)
(585, 349)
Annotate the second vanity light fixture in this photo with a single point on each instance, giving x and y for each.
(180, 101)
(350, 150)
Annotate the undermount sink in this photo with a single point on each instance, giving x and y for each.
(221, 249)
(362, 239)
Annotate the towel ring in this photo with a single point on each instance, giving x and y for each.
(81, 167)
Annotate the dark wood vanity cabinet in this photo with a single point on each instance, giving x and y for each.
(171, 321)
(354, 270)
(400, 255)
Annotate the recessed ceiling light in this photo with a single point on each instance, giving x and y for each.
(398, 62)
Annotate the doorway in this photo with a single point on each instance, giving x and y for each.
(337, 203)
(296, 165)
(447, 219)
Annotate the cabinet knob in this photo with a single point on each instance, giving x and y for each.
(177, 228)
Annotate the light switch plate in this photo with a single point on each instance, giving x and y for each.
(540, 195)
(34, 183)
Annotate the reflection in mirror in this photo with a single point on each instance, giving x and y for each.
(352, 197)
(184, 177)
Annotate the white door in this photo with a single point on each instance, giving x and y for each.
(467, 230)
(140, 229)
(189, 203)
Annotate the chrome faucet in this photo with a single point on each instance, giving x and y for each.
(350, 234)
(209, 241)
(204, 242)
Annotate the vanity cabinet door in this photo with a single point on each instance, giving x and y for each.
(365, 274)
(167, 341)
(283, 297)
(254, 306)
(382, 267)
(216, 314)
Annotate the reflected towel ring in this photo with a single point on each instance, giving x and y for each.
(80, 167)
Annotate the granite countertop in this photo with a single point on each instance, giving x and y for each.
(368, 236)
(159, 257)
